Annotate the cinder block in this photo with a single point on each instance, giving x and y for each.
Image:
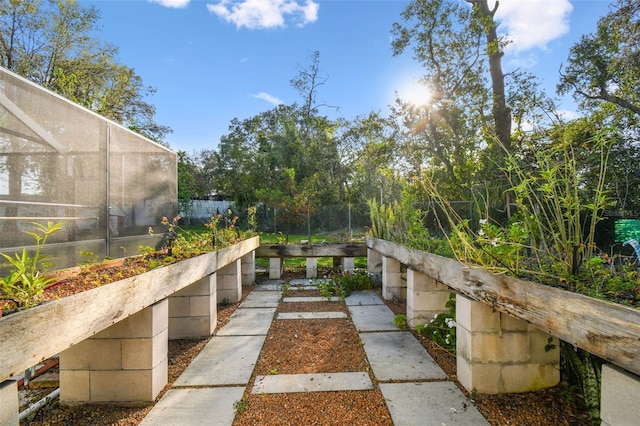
(145, 323)
(201, 306)
(539, 341)
(433, 301)
(275, 268)
(122, 386)
(494, 348)
(348, 264)
(528, 377)
(620, 392)
(509, 323)
(92, 353)
(139, 354)
(312, 267)
(199, 288)
(179, 306)
(483, 378)
(9, 405)
(191, 327)
(390, 265)
(75, 386)
(476, 316)
(249, 269)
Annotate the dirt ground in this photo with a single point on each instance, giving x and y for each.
(325, 346)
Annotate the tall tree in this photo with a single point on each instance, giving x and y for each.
(603, 67)
(50, 43)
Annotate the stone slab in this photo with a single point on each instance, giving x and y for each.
(373, 318)
(326, 382)
(399, 356)
(434, 403)
(261, 299)
(303, 299)
(307, 282)
(248, 322)
(269, 285)
(310, 315)
(366, 297)
(223, 361)
(192, 407)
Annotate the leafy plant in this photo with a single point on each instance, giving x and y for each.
(26, 281)
(442, 328)
(342, 284)
(400, 320)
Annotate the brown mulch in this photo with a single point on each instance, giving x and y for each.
(305, 346)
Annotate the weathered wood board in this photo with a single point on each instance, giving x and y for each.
(30, 336)
(608, 330)
(312, 250)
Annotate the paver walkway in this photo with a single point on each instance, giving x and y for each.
(416, 390)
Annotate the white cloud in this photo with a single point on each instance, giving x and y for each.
(269, 98)
(260, 14)
(175, 4)
(533, 23)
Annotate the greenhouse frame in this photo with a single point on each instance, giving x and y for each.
(60, 162)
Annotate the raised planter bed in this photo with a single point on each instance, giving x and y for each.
(33, 335)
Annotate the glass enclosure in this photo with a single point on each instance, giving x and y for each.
(60, 162)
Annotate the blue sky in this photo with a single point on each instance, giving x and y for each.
(215, 60)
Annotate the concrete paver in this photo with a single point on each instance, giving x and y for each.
(430, 403)
(261, 299)
(196, 406)
(286, 383)
(224, 367)
(373, 318)
(360, 298)
(248, 322)
(311, 315)
(399, 356)
(226, 360)
(269, 285)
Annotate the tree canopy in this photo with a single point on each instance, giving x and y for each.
(49, 42)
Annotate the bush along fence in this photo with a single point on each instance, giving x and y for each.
(112, 340)
(508, 330)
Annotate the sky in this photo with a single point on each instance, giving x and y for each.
(211, 61)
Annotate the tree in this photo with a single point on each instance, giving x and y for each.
(49, 42)
(603, 67)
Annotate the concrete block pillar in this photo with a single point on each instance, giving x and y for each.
(497, 353)
(125, 363)
(374, 265)
(249, 269)
(230, 282)
(9, 405)
(275, 268)
(193, 311)
(348, 264)
(312, 267)
(392, 283)
(426, 298)
(620, 393)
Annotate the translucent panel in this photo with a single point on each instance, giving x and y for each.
(62, 163)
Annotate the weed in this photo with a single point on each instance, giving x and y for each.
(26, 281)
(400, 321)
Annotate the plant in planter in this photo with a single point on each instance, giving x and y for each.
(27, 280)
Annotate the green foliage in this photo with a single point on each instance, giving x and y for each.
(220, 232)
(342, 284)
(400, 320)
(51, 43)
(26, 281)
(587, 369)
(442, 328)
